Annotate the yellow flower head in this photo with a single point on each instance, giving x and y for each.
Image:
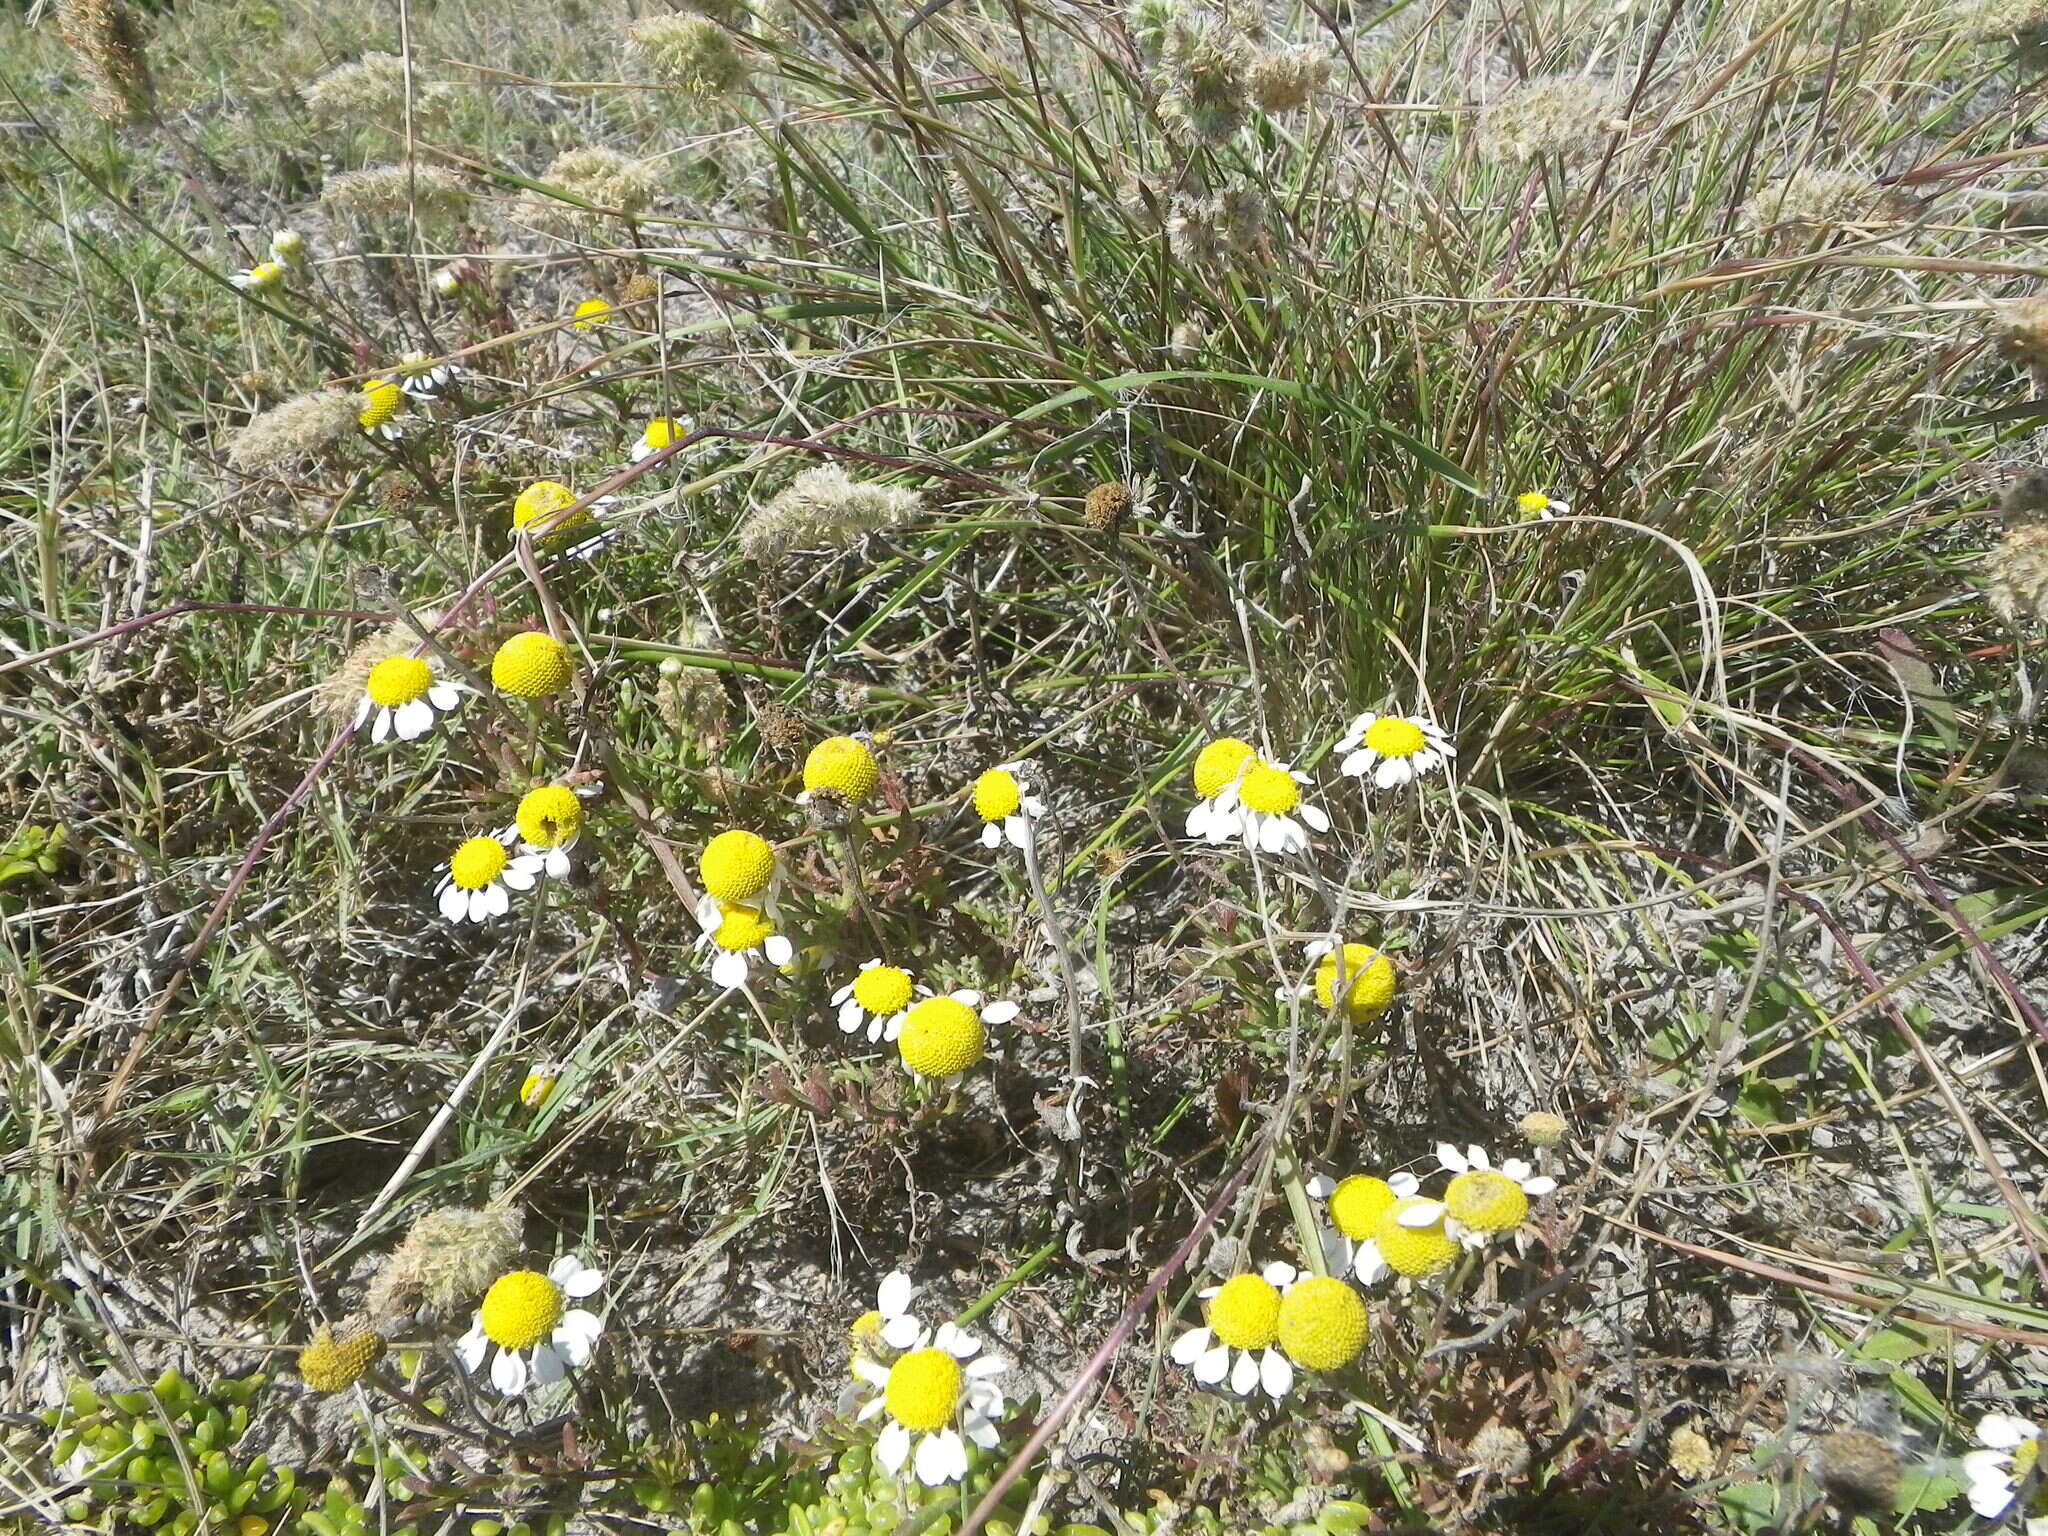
(550, 816)
(538, 1087)
(1357, 1204)
(923, 1390)
(882, 989)
(382, 400)
(1417, 1252)
(1486, 1201)
(842, 768)
(941, 1036)
(736, 866)
(398, 680)
(661, 432)
(996, 795)
(1219, 763)
(741, 928)
(591, 312)
(531, 665)
(1245, 1312)
(477, 863)
(1368, 982)
(328, 1364)
(541, 501)
(1321, 1323)
(521, 1309)
(1268, 790)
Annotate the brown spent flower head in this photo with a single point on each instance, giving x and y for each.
(298, 429)
(1988, 21)
(1287, 79)
(1564, 115)
(2022, 326)
(1813, 197)
(372, 90)
(824, 506)
(2025, 498)
(636, 298)
(447, 1260)
(330, 1364)
(2016, 574)
(1195, 231)
(688, 698)
(1107, 506)
(1859, 1470)
(385, 192)
(1543, 1129)
(1690, 1453)
(1205, 65)
(617, 184)
(695, 54)
(1499, 1451)
(780, 726)
(107, 40)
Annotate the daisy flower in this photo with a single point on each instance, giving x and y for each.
(1237, 1346)
(1482, 1202)
(547, 823)
(1322, 1323)
(1408, 1240)
(531, 665)
(383, 404)
(1393, 749)
(739, 868)
(540, 512)
(590, 313)
(840, 770)
(538, 1086)
(2007, 1468)
(1265, 798)
(938, 1393)
(660, 433)
(740, 935)
(879, 997)
(423, 378)
(403, 693)
(942, 1037)
(288, 246)
(1217, 767)
(264, 277)
(1368, 980)
(481, 876)
(1539, 505)
(527, 1330)
(1356, 1205)
(1003, 801)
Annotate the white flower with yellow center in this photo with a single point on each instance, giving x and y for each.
(528, 1331)
(548, 823)
(879, 997)
(400, 695)
(264, 277)
(1408, 1240)
(1006, 806)
(382, 410)
(1391, 750)
(1238, 1347)
(1271, 814)
(1356, 1204)
(546, 512)
(1540, 506)
(2008, 1469)
(1482, 1202)
(738, 935)
(480, 877)
(1217, 767)
(423, 377)
(942, 1037)
(739, 868)
(937, 1390)
(662, 432)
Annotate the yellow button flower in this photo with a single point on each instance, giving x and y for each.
(842, 769)
(531, 665)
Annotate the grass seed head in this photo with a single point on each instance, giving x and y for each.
(1987, 21)
(372, 89)
(2022, 327)
(1814, 197)
(1206, 65)
(1107, 506)
(824, 506)
(298, 429)
(1859, 1470)
(1500, 1451)
(107, 39)
(2016, 574)
(695, 54)
(1286, 79)
(446, 1261)
(1562, 115)
(385, 192)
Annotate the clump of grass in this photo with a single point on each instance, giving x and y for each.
(381, 193)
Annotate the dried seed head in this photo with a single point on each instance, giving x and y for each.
(780, 727)
(1986, 21)
(1107, 506)
(1690, 1454)
(615, 183)
(1563, 115)
(1859, 1470)
(385, 192)
(1543, 1129)
(825, 506)
(1206, 92)
(1811, 198)
(107, 40)
(1194, 230)
(2022, 326)
(2016, 574)
(695, 54)
(689, 698)
(372, 90)
(398, 495)
(299, 428)
(331, 1363)
(446, 1261)
(637, 297)
(2025, 499)
(1285, 80)
(1499, 1451)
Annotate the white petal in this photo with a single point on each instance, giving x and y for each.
(1276, 1373)
(1000, 1013)
(2004, 1431)
(556, 862)
(1476, 1156)
(778, 949)
(982, 1432)
(1321, 1187)
(1515, 1168)
(985, 1365)
(577, 1334)
(1452, 1159)
(1542, 1185)
(1197, 822)
(547, 1366)
(1212, 1365)
(1278, 1275)
(480, 904)
(875, 1374)
(497, 900)
(1316, 817)
(444, 696)
(1189, 1346)
(1356, 764)
(991, 834)
(892, 1447)
(520, 875)
(582, 1282)
(729, 969)
(1016, 830)
(1391, 773)
(1423, 1213)
(1273, 835)
(415, 719)
(1403, 1184)
(850, 1015)
(469, 1349)
(1367, 1263)
(966, 995)
(901, 1332)
(382, 728)
(845, 993)
(363, 712)
(935, 1457)
(956, 1342)
(454, 902)
(708, 915)
(892, 1298)
(508, 1373)
(1244, 1373)
(1336, 1251)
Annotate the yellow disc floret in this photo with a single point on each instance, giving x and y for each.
(1245, 1313)
(1414, 1251)
(590, 312)
(1391, 736)
(398, 680)
(736, 865)
(1219, 763)
(741, 928)
(1368, 982)
(882, 989)
(1534, 503)
(941, 1036)
(551, 816)
(1357, 1204)
(328, 1364)
(1268, 790)
(1322, 1323)
(923, 1390)
(541, 501)
(521, 1309)
(661, 432)
(531, 665)
(841, 767)
(1486, 1201)
(381, 401)
(996, 795)
(477, 863)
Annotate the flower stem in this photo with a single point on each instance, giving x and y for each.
(1058, 934)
